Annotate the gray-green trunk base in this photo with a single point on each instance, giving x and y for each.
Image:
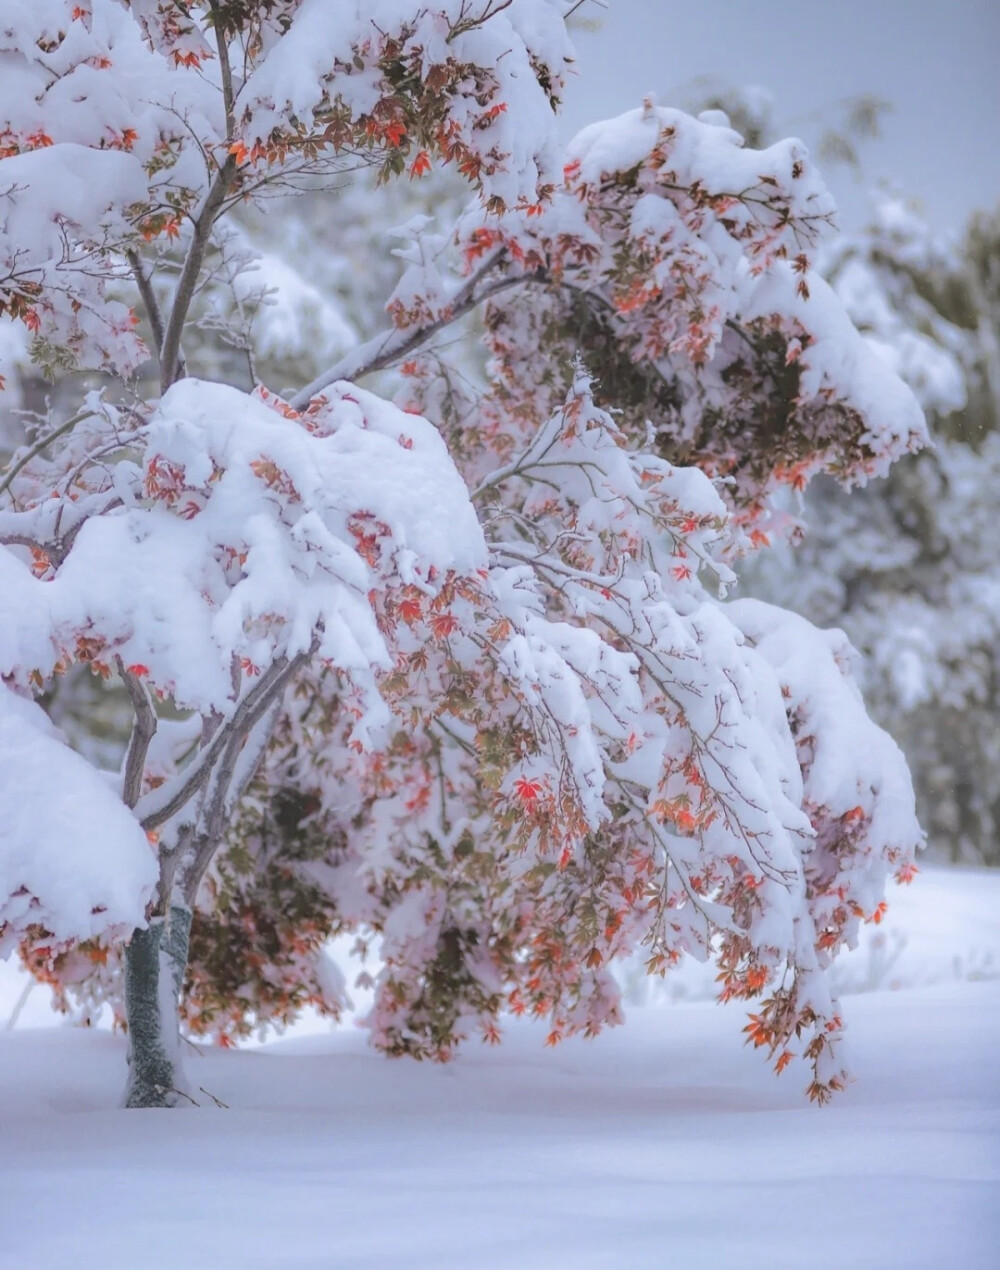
(155, 960)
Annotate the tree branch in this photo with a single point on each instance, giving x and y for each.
(392, 346)
(36, 449)
(160, 804)
(228, 785)
(228, 97)
(188, 281)
(143, 731)
(149, 300)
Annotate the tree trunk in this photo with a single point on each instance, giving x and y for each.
(155, 961)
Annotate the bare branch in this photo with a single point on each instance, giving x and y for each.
(170, 366)
(143, 731)
(228, 97)
(467, 21)
(149, 300)
(162, 803)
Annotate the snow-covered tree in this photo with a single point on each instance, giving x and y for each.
(479, 633)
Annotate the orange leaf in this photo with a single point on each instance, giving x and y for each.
(444, 625)
(421, 164)
(906, 873)
(527, 791)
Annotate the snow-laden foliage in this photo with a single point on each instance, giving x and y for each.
(681, 262)
(163, 132)
(97, 151)
(239, 537)
(459, 672)
(907, 568)
(591, 754)
(240, 542)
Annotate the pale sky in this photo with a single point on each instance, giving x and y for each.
(937, 61)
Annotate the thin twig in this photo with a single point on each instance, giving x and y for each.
(19, 1005)
(218, 1101)
(36, 449)
(169, 1089)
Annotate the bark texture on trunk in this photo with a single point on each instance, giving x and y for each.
(155, 961)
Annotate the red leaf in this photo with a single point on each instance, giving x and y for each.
(527, 791)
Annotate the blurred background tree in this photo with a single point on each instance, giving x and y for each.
(908, 566)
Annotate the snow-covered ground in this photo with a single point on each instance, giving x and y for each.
(663, 1143)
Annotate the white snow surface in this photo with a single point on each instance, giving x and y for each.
(664, 1142)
